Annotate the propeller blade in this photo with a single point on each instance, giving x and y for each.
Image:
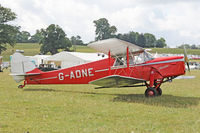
(186, 58)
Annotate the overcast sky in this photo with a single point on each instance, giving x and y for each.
(178, 21)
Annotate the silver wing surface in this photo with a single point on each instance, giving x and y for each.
(116, 81)
(115, 46)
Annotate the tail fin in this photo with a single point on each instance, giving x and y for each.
(20, 65)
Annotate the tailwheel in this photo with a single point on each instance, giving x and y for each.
(151, 92)
(159, 91)
(20, 86)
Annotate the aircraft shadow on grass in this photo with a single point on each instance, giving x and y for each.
(164, 100)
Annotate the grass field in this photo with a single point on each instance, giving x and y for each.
(31, 49)
(83, 109)
(175, 51)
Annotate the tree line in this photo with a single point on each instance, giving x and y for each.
(26, 37)
(188, 46)
(105, 31)
(54, 38)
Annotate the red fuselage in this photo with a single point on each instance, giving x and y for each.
(83, 74)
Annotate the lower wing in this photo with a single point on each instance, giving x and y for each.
(116, 80)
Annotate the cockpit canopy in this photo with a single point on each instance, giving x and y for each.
(134, 59)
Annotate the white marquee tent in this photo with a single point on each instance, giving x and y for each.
(38, 59)
(70, 59)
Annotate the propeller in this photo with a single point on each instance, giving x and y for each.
(186, 58)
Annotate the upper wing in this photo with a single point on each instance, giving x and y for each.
(115, 46)
(116, 80)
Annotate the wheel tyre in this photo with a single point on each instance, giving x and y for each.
(150, 92)
(159, 91)
(20, 86)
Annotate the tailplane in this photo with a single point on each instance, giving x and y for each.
(21, 66)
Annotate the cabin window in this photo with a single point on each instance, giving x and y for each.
(133, 59)
(119, 61)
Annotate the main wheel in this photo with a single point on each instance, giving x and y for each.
(150, 92)
(159, 91)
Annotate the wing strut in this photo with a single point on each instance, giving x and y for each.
(127, 54)
(109, 63)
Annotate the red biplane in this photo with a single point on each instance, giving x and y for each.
(127, 64)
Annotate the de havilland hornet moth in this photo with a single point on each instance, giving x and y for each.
(127, 64)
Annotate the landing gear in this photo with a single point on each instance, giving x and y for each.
(22, 86)
(150, 92)
(159, 91)
(153, 89)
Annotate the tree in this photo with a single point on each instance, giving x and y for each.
(133, 36)
(23, 37)
(124, 37)
(76, 40)
(7, 32)
(193, 46)
(150, 40)
(144, 40)
(188, 46)
(140, 40)
(54, 38)
(37, 37)
(103, 29)
(160, 43)
(129, 37)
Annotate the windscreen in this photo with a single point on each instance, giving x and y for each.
(142, 58)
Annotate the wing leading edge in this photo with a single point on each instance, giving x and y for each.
(116, 80)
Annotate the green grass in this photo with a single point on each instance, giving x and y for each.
(84, 49)
(175, 51)
(83, 109)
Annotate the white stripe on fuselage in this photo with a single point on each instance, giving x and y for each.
(161, 62)
(101, 70)
(47, 78)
